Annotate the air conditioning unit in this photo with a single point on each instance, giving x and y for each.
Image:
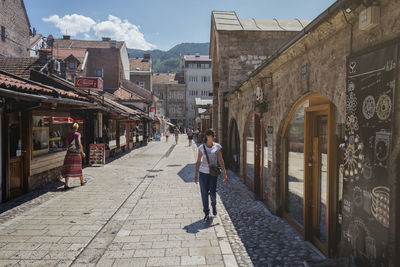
(369, 18)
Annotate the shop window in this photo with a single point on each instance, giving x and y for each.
(122, 134)
(294, 165)
(50, 134)
(250, 150)
(15, 135)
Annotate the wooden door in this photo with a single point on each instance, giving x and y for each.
(15, 175)
(319, 189)
(257, 157)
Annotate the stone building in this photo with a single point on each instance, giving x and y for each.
(197, 74)
(14, 29)
(171, 97)
(140, 71)
(237, 47)
(316, 131)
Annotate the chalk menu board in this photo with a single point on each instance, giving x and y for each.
(371, 80)
(96, 154)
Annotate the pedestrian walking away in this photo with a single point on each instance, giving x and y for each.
(190, 136)
(176, 132)
(166, 135)
(73, 159)
(209, 159)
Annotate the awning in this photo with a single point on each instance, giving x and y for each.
(157, 121)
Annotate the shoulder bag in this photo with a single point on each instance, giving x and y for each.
(214, 170)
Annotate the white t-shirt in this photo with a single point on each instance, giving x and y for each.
(212, 155)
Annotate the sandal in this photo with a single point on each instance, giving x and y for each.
(66, 187)
(83, 183)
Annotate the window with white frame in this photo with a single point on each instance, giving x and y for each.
(180, 96)
(171, 95)
(141, 84)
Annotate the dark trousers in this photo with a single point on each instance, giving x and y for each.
(208, 185)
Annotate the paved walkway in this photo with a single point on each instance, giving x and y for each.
(143, 209)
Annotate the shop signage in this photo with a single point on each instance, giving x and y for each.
(96, 154)
(95, 83)
(368, 185)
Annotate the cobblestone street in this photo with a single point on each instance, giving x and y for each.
(143, 209)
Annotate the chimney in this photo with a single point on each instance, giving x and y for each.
(105, 39)
(66, 37)
(197, 54)
(44, 55)
(113, 44)
(34, 31)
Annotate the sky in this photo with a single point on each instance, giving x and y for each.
(155, 24)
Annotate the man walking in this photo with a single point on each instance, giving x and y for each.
(176, 132)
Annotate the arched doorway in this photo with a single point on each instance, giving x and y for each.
(252, 154)
(311, 190)
(234, 147)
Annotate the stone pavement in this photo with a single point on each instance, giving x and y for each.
(143, 209)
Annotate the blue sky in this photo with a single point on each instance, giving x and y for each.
(158, 24)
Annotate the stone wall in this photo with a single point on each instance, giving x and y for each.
(324, 51)
(37, 180)
(12, 17)
(235, 55)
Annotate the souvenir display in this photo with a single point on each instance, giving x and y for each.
(96, 154)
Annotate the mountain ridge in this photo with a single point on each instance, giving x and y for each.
(168, 61)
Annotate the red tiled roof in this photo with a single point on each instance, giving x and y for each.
(164, 78)
(15, 83)
(61, 43)
(63, 53)
(139, 64)
(21, 66)
(136, 89)
(125, 94)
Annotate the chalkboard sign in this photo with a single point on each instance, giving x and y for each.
(371, 80)
(96, 154)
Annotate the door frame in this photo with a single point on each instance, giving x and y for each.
(257, 184)
(318, 103)
(309, 113)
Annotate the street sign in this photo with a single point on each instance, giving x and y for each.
(95, 83)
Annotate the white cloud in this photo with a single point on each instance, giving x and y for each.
(120, 30)
(71, 24)
(114, 27)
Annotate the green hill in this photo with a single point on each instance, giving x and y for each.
(168, 61)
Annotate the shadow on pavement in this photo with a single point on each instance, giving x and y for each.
(55, 186)
(196, 227)
(120, 154)
(187, 173)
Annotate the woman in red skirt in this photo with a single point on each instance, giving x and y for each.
(73, 159)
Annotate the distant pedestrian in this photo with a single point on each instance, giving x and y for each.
(208, 159)
(196, 135)
(73, 160)
(176, 133)
(190, 136)
(166, 135)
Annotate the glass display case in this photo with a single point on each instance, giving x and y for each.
(49, 134)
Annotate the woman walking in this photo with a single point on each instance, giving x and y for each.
(209, 156)
(166, 135)
(73, 159)
(190, 136)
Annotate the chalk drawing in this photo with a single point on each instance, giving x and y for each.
(368, 108)
(357, 196)
(384, 107)
(380, 204)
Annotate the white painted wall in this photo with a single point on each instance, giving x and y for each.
(196, 86)
(125, 61)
